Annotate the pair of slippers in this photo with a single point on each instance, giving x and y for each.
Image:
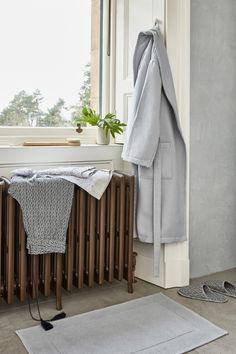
(214, 291)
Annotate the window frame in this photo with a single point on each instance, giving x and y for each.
(17, 135)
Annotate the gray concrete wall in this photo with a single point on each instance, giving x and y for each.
(213, 136)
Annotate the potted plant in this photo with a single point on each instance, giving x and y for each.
(107, 125)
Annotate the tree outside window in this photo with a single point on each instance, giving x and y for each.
(28, 108)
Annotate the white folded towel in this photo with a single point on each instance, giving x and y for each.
(88, 178)
(80, 172)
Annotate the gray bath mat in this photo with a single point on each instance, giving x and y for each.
(150, 325)
(201, 292)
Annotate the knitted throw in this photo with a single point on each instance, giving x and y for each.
(46, 206)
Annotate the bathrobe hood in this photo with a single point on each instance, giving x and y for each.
(155, 146)
(155, 37)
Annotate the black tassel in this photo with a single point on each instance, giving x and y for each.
(59, 316)
(46, 325)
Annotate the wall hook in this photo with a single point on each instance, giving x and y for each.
(157, 22)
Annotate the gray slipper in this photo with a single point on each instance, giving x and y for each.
(201, 292)
(222, 287)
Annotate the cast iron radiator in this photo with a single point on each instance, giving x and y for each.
(99, 245)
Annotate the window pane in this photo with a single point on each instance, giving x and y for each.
(49, 63)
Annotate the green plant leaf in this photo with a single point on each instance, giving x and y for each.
(84, 110)
(109, 123)
(109, 116)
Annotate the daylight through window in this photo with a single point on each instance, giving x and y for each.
(49, 63)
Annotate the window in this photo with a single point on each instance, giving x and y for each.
(50, 61)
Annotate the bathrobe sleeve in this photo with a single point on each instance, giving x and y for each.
(143, 131)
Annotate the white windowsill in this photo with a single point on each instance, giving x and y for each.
(16, 136)
(104, 156)
(82, 146)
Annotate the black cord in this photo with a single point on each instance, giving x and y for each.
(44, 323)
(30, 311)
(29, 304)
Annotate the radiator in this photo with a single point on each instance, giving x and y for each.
(99, 245)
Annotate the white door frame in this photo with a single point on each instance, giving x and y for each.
(174, 257)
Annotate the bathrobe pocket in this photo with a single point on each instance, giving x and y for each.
(166, 160)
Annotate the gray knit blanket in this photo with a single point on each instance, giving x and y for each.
(46, 206)
(45, 197)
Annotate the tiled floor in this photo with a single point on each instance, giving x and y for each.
(223, 315)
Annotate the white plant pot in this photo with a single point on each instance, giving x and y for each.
(102, 139)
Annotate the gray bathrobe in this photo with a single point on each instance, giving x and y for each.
(155, 145)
